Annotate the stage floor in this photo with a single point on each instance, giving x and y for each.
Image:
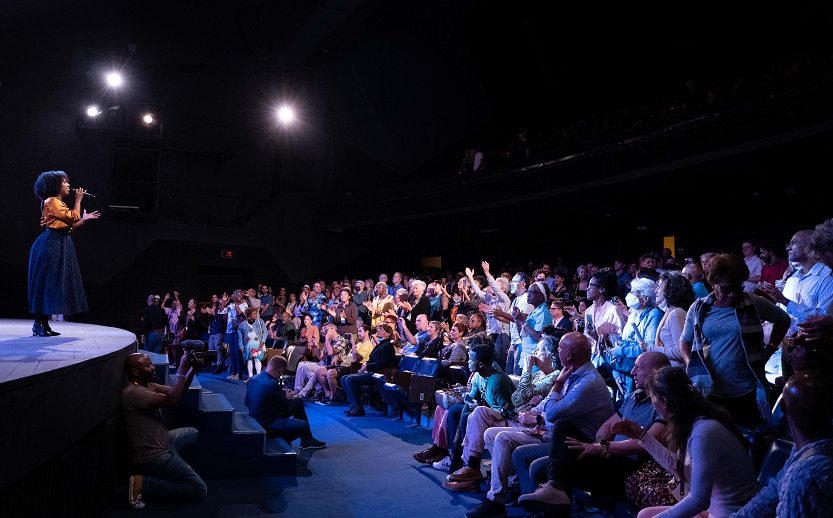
(23, 355)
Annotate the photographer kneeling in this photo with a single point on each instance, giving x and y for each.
(153, 449)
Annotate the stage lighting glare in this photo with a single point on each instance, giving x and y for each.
(285, 115)
(93, 110)
(114, 79)
(148, 118)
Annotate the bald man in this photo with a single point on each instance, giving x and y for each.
(154, 450)
(694, 273)
(804, 486)
(603, 465)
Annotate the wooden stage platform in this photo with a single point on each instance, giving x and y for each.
(56, 391)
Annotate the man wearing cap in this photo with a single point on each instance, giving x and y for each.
(154, 321)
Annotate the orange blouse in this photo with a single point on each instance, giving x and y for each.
(57, 216)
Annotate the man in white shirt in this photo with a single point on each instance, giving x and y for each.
(518, 287)
(754, 263)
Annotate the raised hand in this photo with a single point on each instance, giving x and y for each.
(485, 266)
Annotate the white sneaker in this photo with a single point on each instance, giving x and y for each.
(546, 495)
(444, 464)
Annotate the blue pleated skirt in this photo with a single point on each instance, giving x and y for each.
(55, 285)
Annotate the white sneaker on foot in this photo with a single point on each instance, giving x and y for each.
(546, 495)
(444, 464)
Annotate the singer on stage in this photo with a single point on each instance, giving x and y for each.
(55, 285)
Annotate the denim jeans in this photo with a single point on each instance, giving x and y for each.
(154, 342)
(235, 354)
(524, 458)
(291, 429)
(353, 383)
(167, 475)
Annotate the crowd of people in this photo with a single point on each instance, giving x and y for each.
(587, 378)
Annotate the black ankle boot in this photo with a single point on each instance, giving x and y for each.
(48, 329)
(38, 329)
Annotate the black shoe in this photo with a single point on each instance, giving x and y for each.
(358, 411)
(487, 508)
(312, 444)
(352, 407)
(39, 330)
(49, 330)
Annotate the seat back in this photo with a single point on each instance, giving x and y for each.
(774, 459)
(427, 367)
(408, 363)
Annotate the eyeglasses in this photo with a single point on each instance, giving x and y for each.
(591, 285)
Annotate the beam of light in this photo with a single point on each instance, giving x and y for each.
(114, 79)
(286, 115)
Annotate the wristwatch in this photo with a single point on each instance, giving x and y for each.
(604, 443)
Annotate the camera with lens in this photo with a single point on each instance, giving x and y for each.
(194, 349)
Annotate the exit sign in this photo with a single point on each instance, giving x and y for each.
(228, 254)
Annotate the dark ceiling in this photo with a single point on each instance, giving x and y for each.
(399, 88)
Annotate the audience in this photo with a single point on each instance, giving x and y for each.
(534, 421)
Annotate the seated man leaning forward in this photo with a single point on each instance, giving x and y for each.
(491, 397)
(153, 449)
(527, 421)
(601, 466)
(277, 410)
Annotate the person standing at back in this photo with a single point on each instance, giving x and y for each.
(754, 263)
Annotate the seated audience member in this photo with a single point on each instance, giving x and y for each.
(526, 427)
(277, 409)
(489, 402)
(336, 356)
(383, 356)
(705, 451)
(804, 486)
(696, 277)
(413, 342)
(154, 451)
(305, 379)
(600, 467)
(641, 327)
(456, 416)
(454, 347)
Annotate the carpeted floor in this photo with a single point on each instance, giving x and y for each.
(366, 471)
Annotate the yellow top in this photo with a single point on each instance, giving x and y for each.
(57, 216)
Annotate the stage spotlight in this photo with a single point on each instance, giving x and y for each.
(114, 79)
(148, 118)
(285, 115)
(93, 110)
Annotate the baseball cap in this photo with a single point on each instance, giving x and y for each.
(306, 286)
(360, 283)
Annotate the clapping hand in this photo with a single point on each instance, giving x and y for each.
(485, 266)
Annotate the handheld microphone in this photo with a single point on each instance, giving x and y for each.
(85, 194)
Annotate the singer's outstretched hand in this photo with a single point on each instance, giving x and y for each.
(86, 216)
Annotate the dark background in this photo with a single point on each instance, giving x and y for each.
(388, 96)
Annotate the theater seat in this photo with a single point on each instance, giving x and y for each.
(774, 460)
